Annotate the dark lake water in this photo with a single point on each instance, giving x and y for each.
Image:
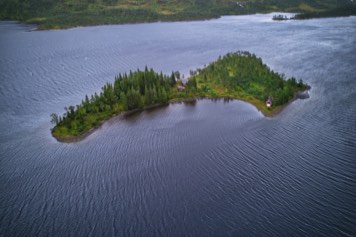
(212, 168)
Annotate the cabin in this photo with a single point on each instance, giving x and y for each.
(180, 88)
(269, 102)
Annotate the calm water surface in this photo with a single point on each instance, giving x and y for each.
(212, 168)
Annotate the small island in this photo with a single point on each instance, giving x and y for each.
(239, 75)
(280, 18)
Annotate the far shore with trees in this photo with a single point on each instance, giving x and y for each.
(54, 14)
(342, 11)
(239, 75)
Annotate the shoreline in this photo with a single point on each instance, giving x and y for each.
(82, 136)
(40, 27)
(266, 113)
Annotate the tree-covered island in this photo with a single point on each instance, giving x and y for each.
(280, 17)
(239, 75)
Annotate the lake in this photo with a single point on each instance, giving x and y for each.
(210, 168)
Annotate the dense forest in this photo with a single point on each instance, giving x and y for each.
(129, 91)
(243, 75)
(239, 75)
(50, 14)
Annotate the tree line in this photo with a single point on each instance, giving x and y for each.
(134, 90)
(49, 14)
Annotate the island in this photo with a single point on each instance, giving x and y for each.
(240, 75)
(280, 18)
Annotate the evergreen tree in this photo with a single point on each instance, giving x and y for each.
(172, 79)
(54, 118)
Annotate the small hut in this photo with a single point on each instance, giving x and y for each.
(180, 88)
(269, 102)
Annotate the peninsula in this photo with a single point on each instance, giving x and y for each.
(239, 75)
(343, 11)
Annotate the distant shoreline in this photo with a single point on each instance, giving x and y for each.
(41, 26)
(331, 13)
(51, 15)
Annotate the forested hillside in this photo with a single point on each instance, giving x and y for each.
(69, 13)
